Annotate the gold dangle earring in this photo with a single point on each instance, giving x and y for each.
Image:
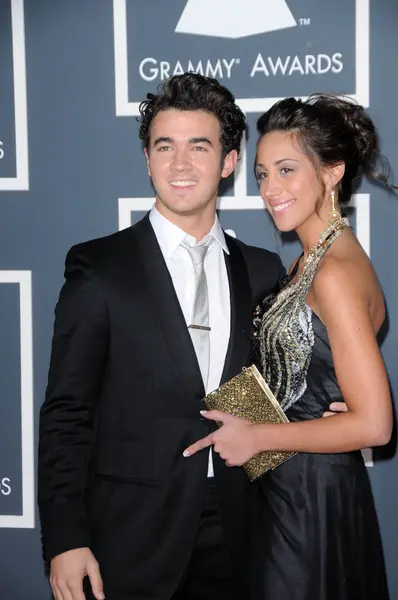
(336, 221)
(334, 216)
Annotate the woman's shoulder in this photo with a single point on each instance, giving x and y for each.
(346, 266)
(346, 279)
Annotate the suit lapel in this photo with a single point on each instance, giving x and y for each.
(168, 310)
(241, 312)
(171, 319)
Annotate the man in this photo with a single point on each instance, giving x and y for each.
(150, 319)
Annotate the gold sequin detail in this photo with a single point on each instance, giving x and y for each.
(248, 396)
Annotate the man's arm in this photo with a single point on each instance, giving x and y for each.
(78, 354)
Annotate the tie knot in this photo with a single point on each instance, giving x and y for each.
(198, 252)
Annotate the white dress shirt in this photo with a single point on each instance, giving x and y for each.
(180, 267)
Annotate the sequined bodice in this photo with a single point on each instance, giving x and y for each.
(284, 331)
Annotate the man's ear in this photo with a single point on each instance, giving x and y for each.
(229, 164)
(147, 161)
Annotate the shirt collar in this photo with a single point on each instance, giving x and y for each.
(170, 236)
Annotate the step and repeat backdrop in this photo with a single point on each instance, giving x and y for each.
(72, 75)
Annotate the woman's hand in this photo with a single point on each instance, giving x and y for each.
(234, 441)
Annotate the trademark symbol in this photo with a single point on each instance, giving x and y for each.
(237, 61)
(305, 21)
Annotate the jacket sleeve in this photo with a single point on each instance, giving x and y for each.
(265, 272)
(78, 355)
(279, 265)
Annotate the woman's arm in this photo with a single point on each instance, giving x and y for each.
(342, 304)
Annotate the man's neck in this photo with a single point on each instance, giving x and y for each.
(196, 225)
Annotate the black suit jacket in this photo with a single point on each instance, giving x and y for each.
(122, 403)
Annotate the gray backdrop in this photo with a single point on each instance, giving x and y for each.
(72, 73)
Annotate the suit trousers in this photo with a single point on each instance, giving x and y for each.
(209, 574)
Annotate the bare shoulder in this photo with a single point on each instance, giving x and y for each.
(347, 284)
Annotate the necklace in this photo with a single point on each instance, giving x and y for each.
(337, 224)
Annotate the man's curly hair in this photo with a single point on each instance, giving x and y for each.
(192, 91)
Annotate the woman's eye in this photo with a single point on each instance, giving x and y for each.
(261, 176)
(286, 170)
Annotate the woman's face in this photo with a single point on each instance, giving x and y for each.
(289, 183)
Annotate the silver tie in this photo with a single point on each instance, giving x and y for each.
(199, 327)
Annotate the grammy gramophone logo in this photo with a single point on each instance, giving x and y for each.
(234, 18)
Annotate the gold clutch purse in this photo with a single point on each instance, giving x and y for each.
(248, 396)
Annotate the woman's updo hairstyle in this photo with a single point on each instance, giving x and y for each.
(331, 130)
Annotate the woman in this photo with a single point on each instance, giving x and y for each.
(315, 532)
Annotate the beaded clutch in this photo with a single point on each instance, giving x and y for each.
(248, 396)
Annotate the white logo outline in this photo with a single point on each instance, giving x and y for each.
(27, 519)
(21, 181)
(126, 108)
(258, 105)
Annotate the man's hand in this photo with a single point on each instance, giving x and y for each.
(68, 571)
(336, 407)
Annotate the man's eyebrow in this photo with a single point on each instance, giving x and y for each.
(162, 140)
(193, 140)
(200, 140)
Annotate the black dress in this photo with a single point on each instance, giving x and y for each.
(314, 531)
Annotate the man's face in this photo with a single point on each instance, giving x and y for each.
(184, 161)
